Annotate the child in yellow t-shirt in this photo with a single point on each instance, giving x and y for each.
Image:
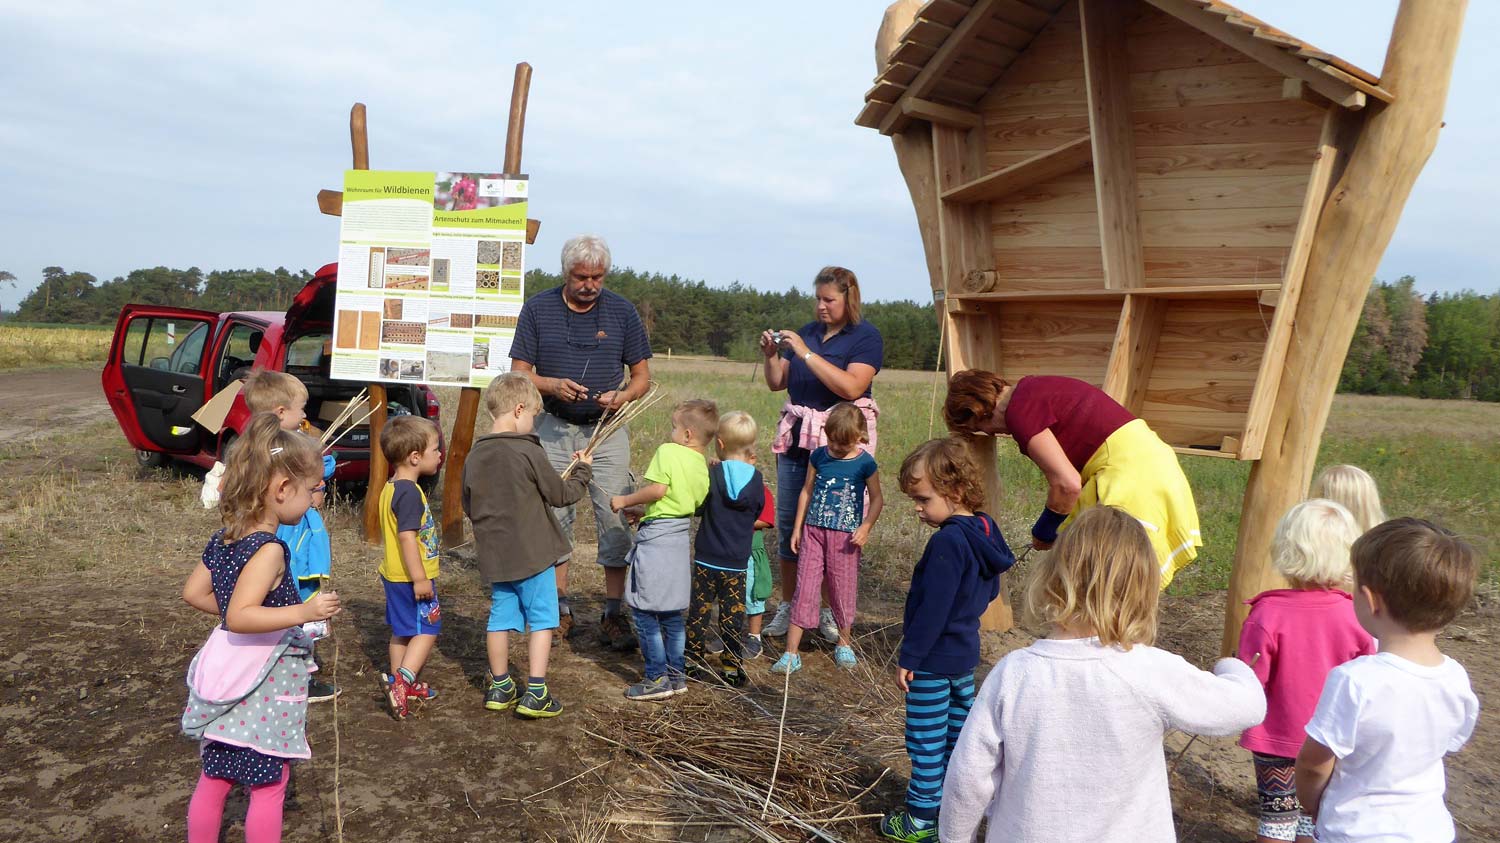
(659, 584)
(410, 566)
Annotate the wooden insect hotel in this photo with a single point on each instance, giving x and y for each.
(1170, 199)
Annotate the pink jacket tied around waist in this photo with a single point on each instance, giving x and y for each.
(810, 434)
(251, 691)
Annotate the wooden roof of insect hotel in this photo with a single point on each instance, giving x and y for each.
(1121, 191)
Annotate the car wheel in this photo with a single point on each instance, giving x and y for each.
(150, 459)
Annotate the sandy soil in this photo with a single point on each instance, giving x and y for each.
(34, 401)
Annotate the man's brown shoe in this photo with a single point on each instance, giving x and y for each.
(615, 632)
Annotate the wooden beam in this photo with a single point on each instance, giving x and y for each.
(934, 69)
(1356, 224)
(1044, 166)
(937, 113)
(1107, 76)
(1268, 54)
(1188, 292)
(1296, 89)
(1353, 81)
(1338, 122)
(972, 341)
(1130, 359)
(359, 142)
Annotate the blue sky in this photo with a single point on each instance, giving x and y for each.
(714, 141)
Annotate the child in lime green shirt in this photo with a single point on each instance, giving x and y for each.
(659, 583)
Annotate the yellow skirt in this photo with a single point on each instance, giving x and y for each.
(1137, 472)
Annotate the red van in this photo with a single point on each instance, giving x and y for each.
(166, 362)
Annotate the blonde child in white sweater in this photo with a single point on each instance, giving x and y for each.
(1064, 742)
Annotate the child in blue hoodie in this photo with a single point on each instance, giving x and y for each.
(956, 579)
(310, 561)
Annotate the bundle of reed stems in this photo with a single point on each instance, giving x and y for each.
(613, 421)
(344, 421)
(714, 771)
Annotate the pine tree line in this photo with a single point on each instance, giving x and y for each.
(1438, 346)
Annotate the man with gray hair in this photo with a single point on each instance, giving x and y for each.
(576, 341)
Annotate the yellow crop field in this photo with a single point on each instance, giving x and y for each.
(25, 346)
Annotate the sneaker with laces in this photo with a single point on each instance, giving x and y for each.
(901, 825)
(843, 656)
(395, 694)
(321, 691)
(497, 698)
(788, 663)
(651, 689)
(780, 621)
(827, 628)
(753, 647)
(679, 685)
(615, 633)
(534, 707)
(734, 677)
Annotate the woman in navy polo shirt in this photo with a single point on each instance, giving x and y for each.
(825, 362)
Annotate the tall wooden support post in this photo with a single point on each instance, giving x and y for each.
(1353, 231)
(955, 237)
(359, 141)
(468, 397)
(964, 246)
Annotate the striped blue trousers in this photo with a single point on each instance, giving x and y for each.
(936, 708)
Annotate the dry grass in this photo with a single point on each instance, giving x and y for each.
(22, 347)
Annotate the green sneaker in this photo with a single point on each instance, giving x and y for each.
(902, 826)
(533, 707)
(500, 699)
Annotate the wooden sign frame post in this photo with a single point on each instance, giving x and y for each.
(331, 202)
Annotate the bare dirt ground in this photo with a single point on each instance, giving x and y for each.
(92, 558)
(36, 401)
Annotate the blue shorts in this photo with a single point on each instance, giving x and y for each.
(405, 615)
(521, 603)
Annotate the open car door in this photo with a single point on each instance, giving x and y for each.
(154, 376)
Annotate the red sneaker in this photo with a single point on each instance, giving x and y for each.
(395, 694)
(414, 690)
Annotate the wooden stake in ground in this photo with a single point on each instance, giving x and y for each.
(468, 397)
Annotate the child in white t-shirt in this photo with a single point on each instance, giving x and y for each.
(1372, 765)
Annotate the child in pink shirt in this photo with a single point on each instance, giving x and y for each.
(1292, 639)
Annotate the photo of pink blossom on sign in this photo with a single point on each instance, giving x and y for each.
(460, 192)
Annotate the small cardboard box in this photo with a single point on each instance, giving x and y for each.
(212, 414)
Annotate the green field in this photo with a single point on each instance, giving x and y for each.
(1434, 459)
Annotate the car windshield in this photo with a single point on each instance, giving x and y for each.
(308, 354)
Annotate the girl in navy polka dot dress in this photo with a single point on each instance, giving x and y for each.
(248, 685)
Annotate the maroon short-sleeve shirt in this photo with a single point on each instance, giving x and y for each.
(1080, 415)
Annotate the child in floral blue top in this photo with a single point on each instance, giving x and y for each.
(832, 526)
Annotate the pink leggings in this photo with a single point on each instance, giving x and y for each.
(262, 820)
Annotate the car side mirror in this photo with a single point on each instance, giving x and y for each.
(159, 363)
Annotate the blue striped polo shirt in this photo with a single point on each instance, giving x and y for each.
(593, 348)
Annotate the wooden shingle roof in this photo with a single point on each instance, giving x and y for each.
(955, 50)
